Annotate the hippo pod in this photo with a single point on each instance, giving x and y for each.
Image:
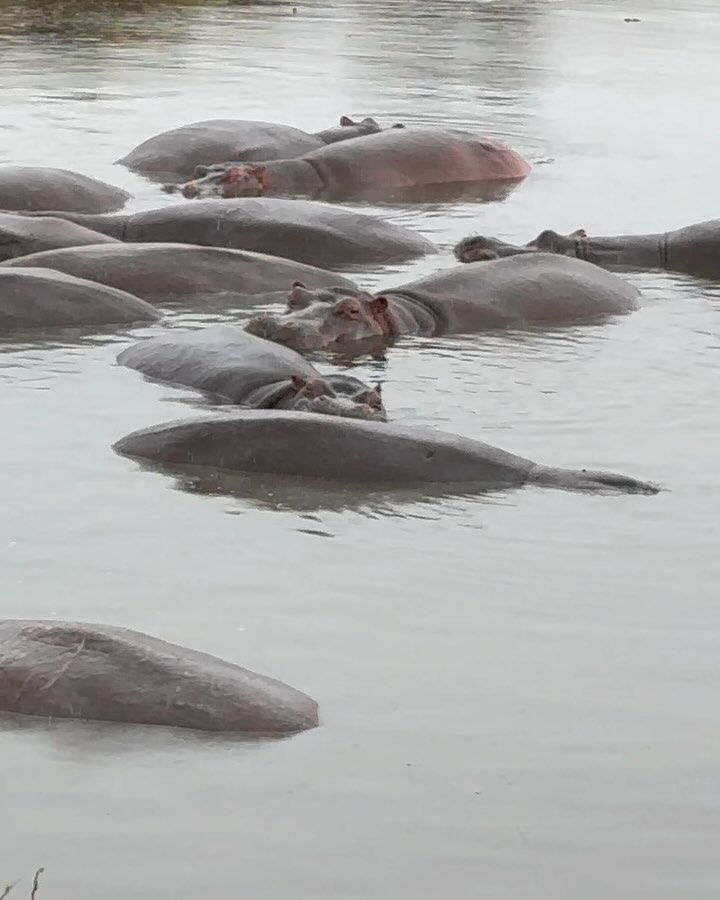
(351, 451)
(176, 153)
(172, 274)
(537, 289)
(73, 670)
(307, 232)
(694, 250)
(229, 363)
(23, 235)
(32, 297)
(379, 165)
(39, 187)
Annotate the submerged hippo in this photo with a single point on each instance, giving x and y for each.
(23, 235)
(313, 233)
(694, 249)
(39, 187)
(229, 363)
(351, 451)
(74, 670)
(177, 152)
(380, 165)
(538, 289)
(180, 273)
(39, 298)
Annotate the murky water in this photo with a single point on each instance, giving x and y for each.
(518, 692)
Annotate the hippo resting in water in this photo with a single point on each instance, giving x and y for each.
(694, 249)
(176, 153)
(73, 670)
(540, 289)
(391, 163)
(23, 235)
(312, 233)
(42, 298)
(38, 187)
(351, 451)
(229, 363)
(179, 273)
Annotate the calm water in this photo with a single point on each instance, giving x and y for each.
(518, 692)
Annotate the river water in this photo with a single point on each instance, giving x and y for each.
(518, 691)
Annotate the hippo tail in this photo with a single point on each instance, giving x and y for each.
(590, 480)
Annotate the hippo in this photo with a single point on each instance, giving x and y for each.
(33, 297)
(537, 289)
(228, 363)
(393, 163)
(351, 451)
(22, 235)
(77, 670)
(39, 188)
(308, 232)
(171, 274)
(694, 250)
(176, 153)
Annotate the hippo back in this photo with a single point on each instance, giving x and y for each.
(40, 187)
(23, 235)
(223, 360)
(515, 290)
(102, 672)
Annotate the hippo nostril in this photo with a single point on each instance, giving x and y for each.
(190, 190)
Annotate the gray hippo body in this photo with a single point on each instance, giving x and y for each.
(350, 451)
(41, 298)
(694, 250)
(75, 670)
(308, 232)
(537, 289)
(23, 235)
(176, 153)
(179, 273)
(227, 362)
(393, 162)
(40, 188)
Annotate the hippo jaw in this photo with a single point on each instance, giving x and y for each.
(225, 183)
(476, 248)
(314, 320)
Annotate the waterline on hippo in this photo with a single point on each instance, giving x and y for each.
(355, 452)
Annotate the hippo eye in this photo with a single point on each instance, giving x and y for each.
(349, 312)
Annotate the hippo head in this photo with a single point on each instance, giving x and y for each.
(335, 395)
(224, 181)
(478, 247)
(316, 319)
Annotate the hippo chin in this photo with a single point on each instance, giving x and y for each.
(23, 235)
(350, 451)
(537, 289)
(75, 670)
(694, 250)
(382, 165)
(232, 365)
(316, 234)
(173, 274)
(39, 187)
(176, 153)
(42, 298)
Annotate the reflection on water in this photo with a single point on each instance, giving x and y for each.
(517, 690)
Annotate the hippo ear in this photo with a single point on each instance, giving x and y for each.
(378, 306)
(579, 232)
(299, 297)
(398, 125)
(259, 173)
(378, 388)
(346, 120)
(298, 284)
(298, 382)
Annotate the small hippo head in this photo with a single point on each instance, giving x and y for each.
(479, 247)
(316, 319)
(335, 395)
(224, 181)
